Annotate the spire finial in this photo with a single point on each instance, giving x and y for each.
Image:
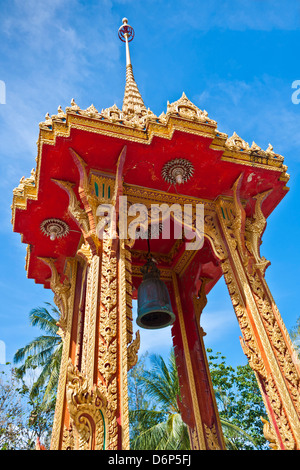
(133, 103)
(126, 34)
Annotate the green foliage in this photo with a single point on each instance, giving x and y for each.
(295, 337)
(23, 417)
(142, 411)
(27, 399)
(239, 402)
(155, 419)
(26, 412)
(154, 414)
(43, 354)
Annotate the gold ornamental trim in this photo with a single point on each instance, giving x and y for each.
(71, 271)
(181, 115)
(263, 344)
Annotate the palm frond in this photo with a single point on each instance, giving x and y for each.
(236, 430)
(170, 434)
(38, 349)
(43, 352)
(42, 318)
(161, 383)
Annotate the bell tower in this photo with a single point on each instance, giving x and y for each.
(103, 177)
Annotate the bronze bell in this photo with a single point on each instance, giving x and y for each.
(154, 305)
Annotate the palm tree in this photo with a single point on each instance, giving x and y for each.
(44, 352)
(168, 431)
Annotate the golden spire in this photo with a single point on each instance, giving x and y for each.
(133, 104)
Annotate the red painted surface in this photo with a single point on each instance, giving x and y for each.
(142, 167)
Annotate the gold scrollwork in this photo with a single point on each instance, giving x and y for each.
(61, 292)
(86, 407)
(260, 323)
(107, 349)
(212, 437)
(132, 351)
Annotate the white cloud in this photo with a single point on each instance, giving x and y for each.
(50, 55)
(155, 341)
(219, 323)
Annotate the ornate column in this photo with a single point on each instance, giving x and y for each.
(197, 405)
(98, 345)
(265, 342)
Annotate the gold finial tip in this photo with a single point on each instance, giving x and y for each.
(126, 31)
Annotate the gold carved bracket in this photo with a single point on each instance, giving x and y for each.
(61, 292)
(200, 301)
(132, 351)
(76, 211)
(247, 231)
(254, 229)
(80, 216)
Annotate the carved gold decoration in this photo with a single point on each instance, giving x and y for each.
(114, 114)
(86, 407)
(90, 320)
(25, 183)
(60, 116)
(86, 193)
(249, 344)
(128, 349)
(71, 272)
(277, 339)
(186, 109)
(61, 293)
(236, 143)
(128, 289)
(212, 437)
(78, 214)
(47, 123)
(269, 434)
(68, 440)
(107, 349)
(133, 104)
(105, 309)
(106, 186)
(254, 229)
(265, 342)
(211, 232)
(85, 252)
(133, 350)
(200, 301)
(163, 127)
(243, 239)
(235, 241)
(166, 258)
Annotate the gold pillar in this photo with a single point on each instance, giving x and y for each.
(266, 342)
(98, 346)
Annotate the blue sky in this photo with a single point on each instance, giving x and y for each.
(236, 59)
